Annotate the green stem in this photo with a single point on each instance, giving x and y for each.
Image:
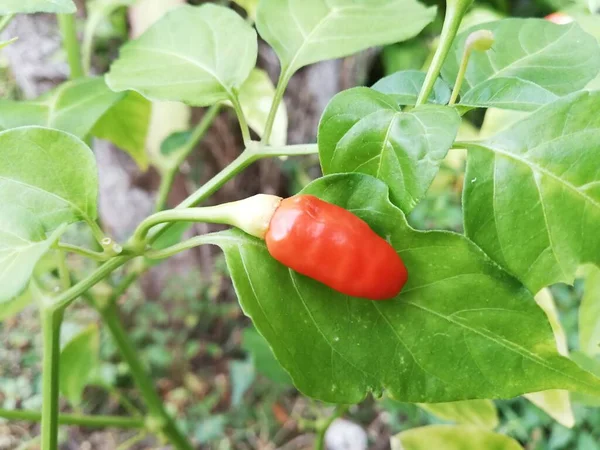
(96, 230)
(87, 44)
(284, 79)
(455, 10)
(96, 256)
(460, 76)
(340, 410)
(166, 182)
(63, 270)
(68, 30)
(180, 247)
(125, 283)
(5, 20)
(76, 419)
(51, 322)
(241, 118)
(110, 316)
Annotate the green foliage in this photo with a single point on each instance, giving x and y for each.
(407, 346)
(126, 125)
(528, 186)
(303, 32)
(479, 413)
(404, 87)
(250, 6)
(242, 376)
(589, 313)
(532, 63)
(263, 358)
(365, 131)
(452, 438)
(35, 6)
(79, 360)
(74, 107)
(23, 242)
(51, 173)
(197, 55)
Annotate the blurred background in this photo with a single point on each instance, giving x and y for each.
(213, 370)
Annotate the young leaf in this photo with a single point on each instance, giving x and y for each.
(556, 403)
(198, 55)
(50, 173)
(242, 376)
(256, 96)
(404, 88)
(478, 413)
(365, 131)
(450, 437)
(36, 6)
(23, 242)
(126, 125)
(533, 63)
(532, 192)
(462, 328)
(74, 107)
(592, 365)
(589, 313)
(13, 307)
(303, 32)
(79, 360)
(5, 43)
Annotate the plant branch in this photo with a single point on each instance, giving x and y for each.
(96, 256)
(166, 182)
(235, 101)
(180, 247)
(284, 79)
(110, 316)
(455, 10)
(51, 323)
(68, 30)
(5, 20)
(76, 419)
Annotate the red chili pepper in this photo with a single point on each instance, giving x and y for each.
(333, 246)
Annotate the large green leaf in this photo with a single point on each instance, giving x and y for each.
(365, 131)
(479, 413)
(126, 125)
(461, 329)
(532, 63)
(589, 313)
(404, 87)
(448, 437)
(532, 192)
(35, 6)
(256, 96)
(23, 242)
(198, 55)
(73, 107)
(79, 361)
(303, 32)
(50, 173)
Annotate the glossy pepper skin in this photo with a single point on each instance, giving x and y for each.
(331, 245)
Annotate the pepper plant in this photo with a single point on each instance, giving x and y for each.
(465, 326)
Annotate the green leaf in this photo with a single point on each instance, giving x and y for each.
(35, 6)
(49, 172)
(404, 88)
(15, 306)
(195, 54)
(242, 376)
(263, 357)
(478, 413)
(533, 62)
(365, 131)
(532, 192)
(556, 403)
(256, 96)
(592, 365)
(589, 313)
(450, 437)
(250, 6)
(23, 242)
(74, 107)
(461, 329)
(79, 360)
(303, 32)
(5, 43)
(126, 125)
